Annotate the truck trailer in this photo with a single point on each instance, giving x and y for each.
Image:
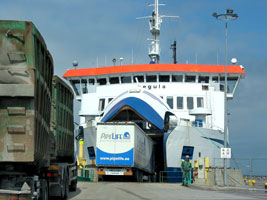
(123, 149)
(36, 118)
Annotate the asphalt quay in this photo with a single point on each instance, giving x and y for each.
(154, 191)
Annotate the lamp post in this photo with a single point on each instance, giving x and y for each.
(228, 16)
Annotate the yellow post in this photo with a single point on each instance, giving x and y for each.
(253, 182)
(196, 163)
(81, 148)
(81, 161)
(207, 166)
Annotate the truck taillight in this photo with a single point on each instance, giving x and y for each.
(52, 174)
(48, 174)
(128, 172)
(55, 174)
(13, 197)
(54, 167)
(101, 172)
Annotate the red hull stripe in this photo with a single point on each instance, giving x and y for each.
(153, 68)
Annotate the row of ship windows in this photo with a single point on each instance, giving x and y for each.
(178, 102)
(82, 84)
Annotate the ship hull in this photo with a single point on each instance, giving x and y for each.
(204, 142)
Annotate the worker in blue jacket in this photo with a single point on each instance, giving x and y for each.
(186, 169)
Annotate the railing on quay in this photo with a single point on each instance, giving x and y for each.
(250, 167)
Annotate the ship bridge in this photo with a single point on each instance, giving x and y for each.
(194, 93)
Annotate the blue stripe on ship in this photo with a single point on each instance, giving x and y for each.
(141, 107)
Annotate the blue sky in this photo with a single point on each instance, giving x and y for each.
(87, 29)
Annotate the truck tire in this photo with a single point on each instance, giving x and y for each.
(64, 187)
(66, 192)
(66, 195)
(43, 190)
(73, 186)
(139, 176)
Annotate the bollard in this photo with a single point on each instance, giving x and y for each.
(245, 180)
(265, 187)
(253, 182)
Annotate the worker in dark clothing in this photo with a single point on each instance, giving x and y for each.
(186, 169)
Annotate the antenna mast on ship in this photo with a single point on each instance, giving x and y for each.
(155, 23)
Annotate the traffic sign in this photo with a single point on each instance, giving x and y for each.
(225, 152)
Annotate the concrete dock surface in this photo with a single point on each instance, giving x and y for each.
(153, 191)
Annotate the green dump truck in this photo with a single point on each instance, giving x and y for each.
(36, 118)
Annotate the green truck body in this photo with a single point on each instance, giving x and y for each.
(26, 72)
(36, 118)
(62, 120)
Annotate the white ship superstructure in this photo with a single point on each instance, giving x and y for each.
(193, 93)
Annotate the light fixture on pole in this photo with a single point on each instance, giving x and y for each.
(121, 59)
(75, 64)
(228, 16)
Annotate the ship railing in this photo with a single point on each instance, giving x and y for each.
(196, 123)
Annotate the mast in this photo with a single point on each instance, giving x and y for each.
(173, 47)
(155, 23)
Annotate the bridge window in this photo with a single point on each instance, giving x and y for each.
(76, 86)
(215, 79)
(151, 78)
(180, 102)
(222, 83)
(102, 81)
(139, 78)
(205, 87)
(190, 79)
(114, 80)
(170, 102)
(190, 103)
(200, 102)
(101, 104)
(231, 83)
(203, 79)
(164, 78)
(177, 78)
(91, 81)
(126, 79)
(84, 86)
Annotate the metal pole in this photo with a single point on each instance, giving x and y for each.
(250, 169)
(225, 107)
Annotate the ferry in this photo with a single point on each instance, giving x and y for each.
(181, 106)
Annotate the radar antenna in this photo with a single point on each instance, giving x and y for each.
(155, 23)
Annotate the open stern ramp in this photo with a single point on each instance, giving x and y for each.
(138, 105)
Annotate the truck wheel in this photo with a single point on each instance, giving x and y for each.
(73, 186)
(43, 190)
(139, 176)
(66, 187)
